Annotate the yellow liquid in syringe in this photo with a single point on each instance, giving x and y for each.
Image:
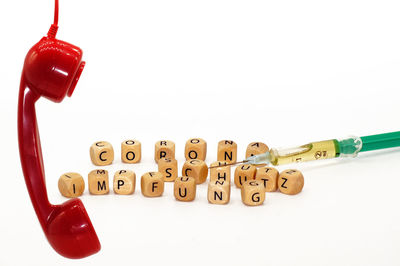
(310, 152)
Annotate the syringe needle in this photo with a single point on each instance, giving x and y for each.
(228, 164)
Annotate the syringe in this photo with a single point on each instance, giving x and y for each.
(347, 147)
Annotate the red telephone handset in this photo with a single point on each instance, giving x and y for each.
(51, 69)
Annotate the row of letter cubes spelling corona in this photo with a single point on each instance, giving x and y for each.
(252, 181)
(102, 152)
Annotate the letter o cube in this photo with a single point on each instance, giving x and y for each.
(98, 182)
(197, 169)
(102, 153)
(196, 148)
(152, 184)
(291, 182)
(131, 151)
(243, 173)
(185, 188)
(253, 193)
(124, 182)
(71, 185)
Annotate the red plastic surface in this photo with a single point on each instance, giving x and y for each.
(51, 69)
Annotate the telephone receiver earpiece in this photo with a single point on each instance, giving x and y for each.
(51, 69)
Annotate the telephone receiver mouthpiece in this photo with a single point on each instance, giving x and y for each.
(52, 69)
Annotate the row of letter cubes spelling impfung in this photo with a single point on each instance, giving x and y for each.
(102, 152)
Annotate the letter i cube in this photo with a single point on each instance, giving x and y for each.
(71, 185)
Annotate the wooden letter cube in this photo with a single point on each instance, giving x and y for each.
(290, 182)
(253, 192)
(152, 184)
(243, 173)
(124, 182)
(227, 151)
(102, 153)
(255, 148)
(71, 185)
(220, 173)
(219, 192)
(168, 168)
(197, 169)
(185, 188)
(131, 151)
(98, 182)
(269, 176)
(164, 149)
(196, 149)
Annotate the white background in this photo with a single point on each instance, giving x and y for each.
(282, 72)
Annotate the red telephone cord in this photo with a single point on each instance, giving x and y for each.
(54, 27)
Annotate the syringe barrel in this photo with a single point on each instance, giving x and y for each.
(309, 152)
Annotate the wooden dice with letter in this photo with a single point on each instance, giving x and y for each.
(185, 188)
(71, 185)
(168, 167)
(98, 182)
(219, 192)
(253, 193)
(243, 173)
(131, 151)
(124, 182)
(101, 153)
(197, 169)
(196, 148)
(220, 173)
(269, 177)
(164, 149)
(291, 182)
(227, 151)
(152, 184)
